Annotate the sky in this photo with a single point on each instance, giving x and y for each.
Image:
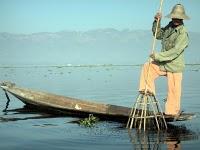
(32, 16)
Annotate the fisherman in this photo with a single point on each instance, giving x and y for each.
(169, 61)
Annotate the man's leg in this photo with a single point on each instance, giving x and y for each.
(148, 82)
(172, 106)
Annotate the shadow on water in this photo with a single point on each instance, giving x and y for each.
(172, 137)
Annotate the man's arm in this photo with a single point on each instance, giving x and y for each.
(180, 44)
(160, 30)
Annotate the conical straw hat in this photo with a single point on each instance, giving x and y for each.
(178, 12)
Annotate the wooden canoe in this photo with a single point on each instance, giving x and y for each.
(53, 103)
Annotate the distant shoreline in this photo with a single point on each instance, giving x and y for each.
(71, 65)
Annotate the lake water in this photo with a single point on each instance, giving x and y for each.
(106, 84)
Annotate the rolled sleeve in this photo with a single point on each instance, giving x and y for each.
(160, 31)
(180, 44)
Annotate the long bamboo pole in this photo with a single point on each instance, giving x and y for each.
(146, 80)
(153, 45)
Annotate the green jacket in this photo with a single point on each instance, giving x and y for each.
(174, 41)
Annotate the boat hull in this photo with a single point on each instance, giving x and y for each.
(66, 105)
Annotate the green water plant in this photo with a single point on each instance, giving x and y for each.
(90, 121)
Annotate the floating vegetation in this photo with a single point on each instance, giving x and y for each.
(89, 122)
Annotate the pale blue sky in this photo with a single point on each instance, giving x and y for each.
(30, 16)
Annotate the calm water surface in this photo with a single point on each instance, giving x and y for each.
(106, 84)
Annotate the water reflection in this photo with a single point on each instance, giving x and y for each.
(17, 114)
(7, 103)
(8, 119)
(172, 137)
(147, 140)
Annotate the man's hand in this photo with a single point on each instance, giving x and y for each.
(152, 56)
(158, 16)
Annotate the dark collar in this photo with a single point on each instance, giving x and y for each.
(175, 27)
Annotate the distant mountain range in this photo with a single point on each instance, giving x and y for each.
(101, 46)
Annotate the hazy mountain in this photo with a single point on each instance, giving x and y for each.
(101, 46)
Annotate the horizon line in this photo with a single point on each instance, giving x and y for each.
(82, 31)
(79, 65)
(71, 30)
